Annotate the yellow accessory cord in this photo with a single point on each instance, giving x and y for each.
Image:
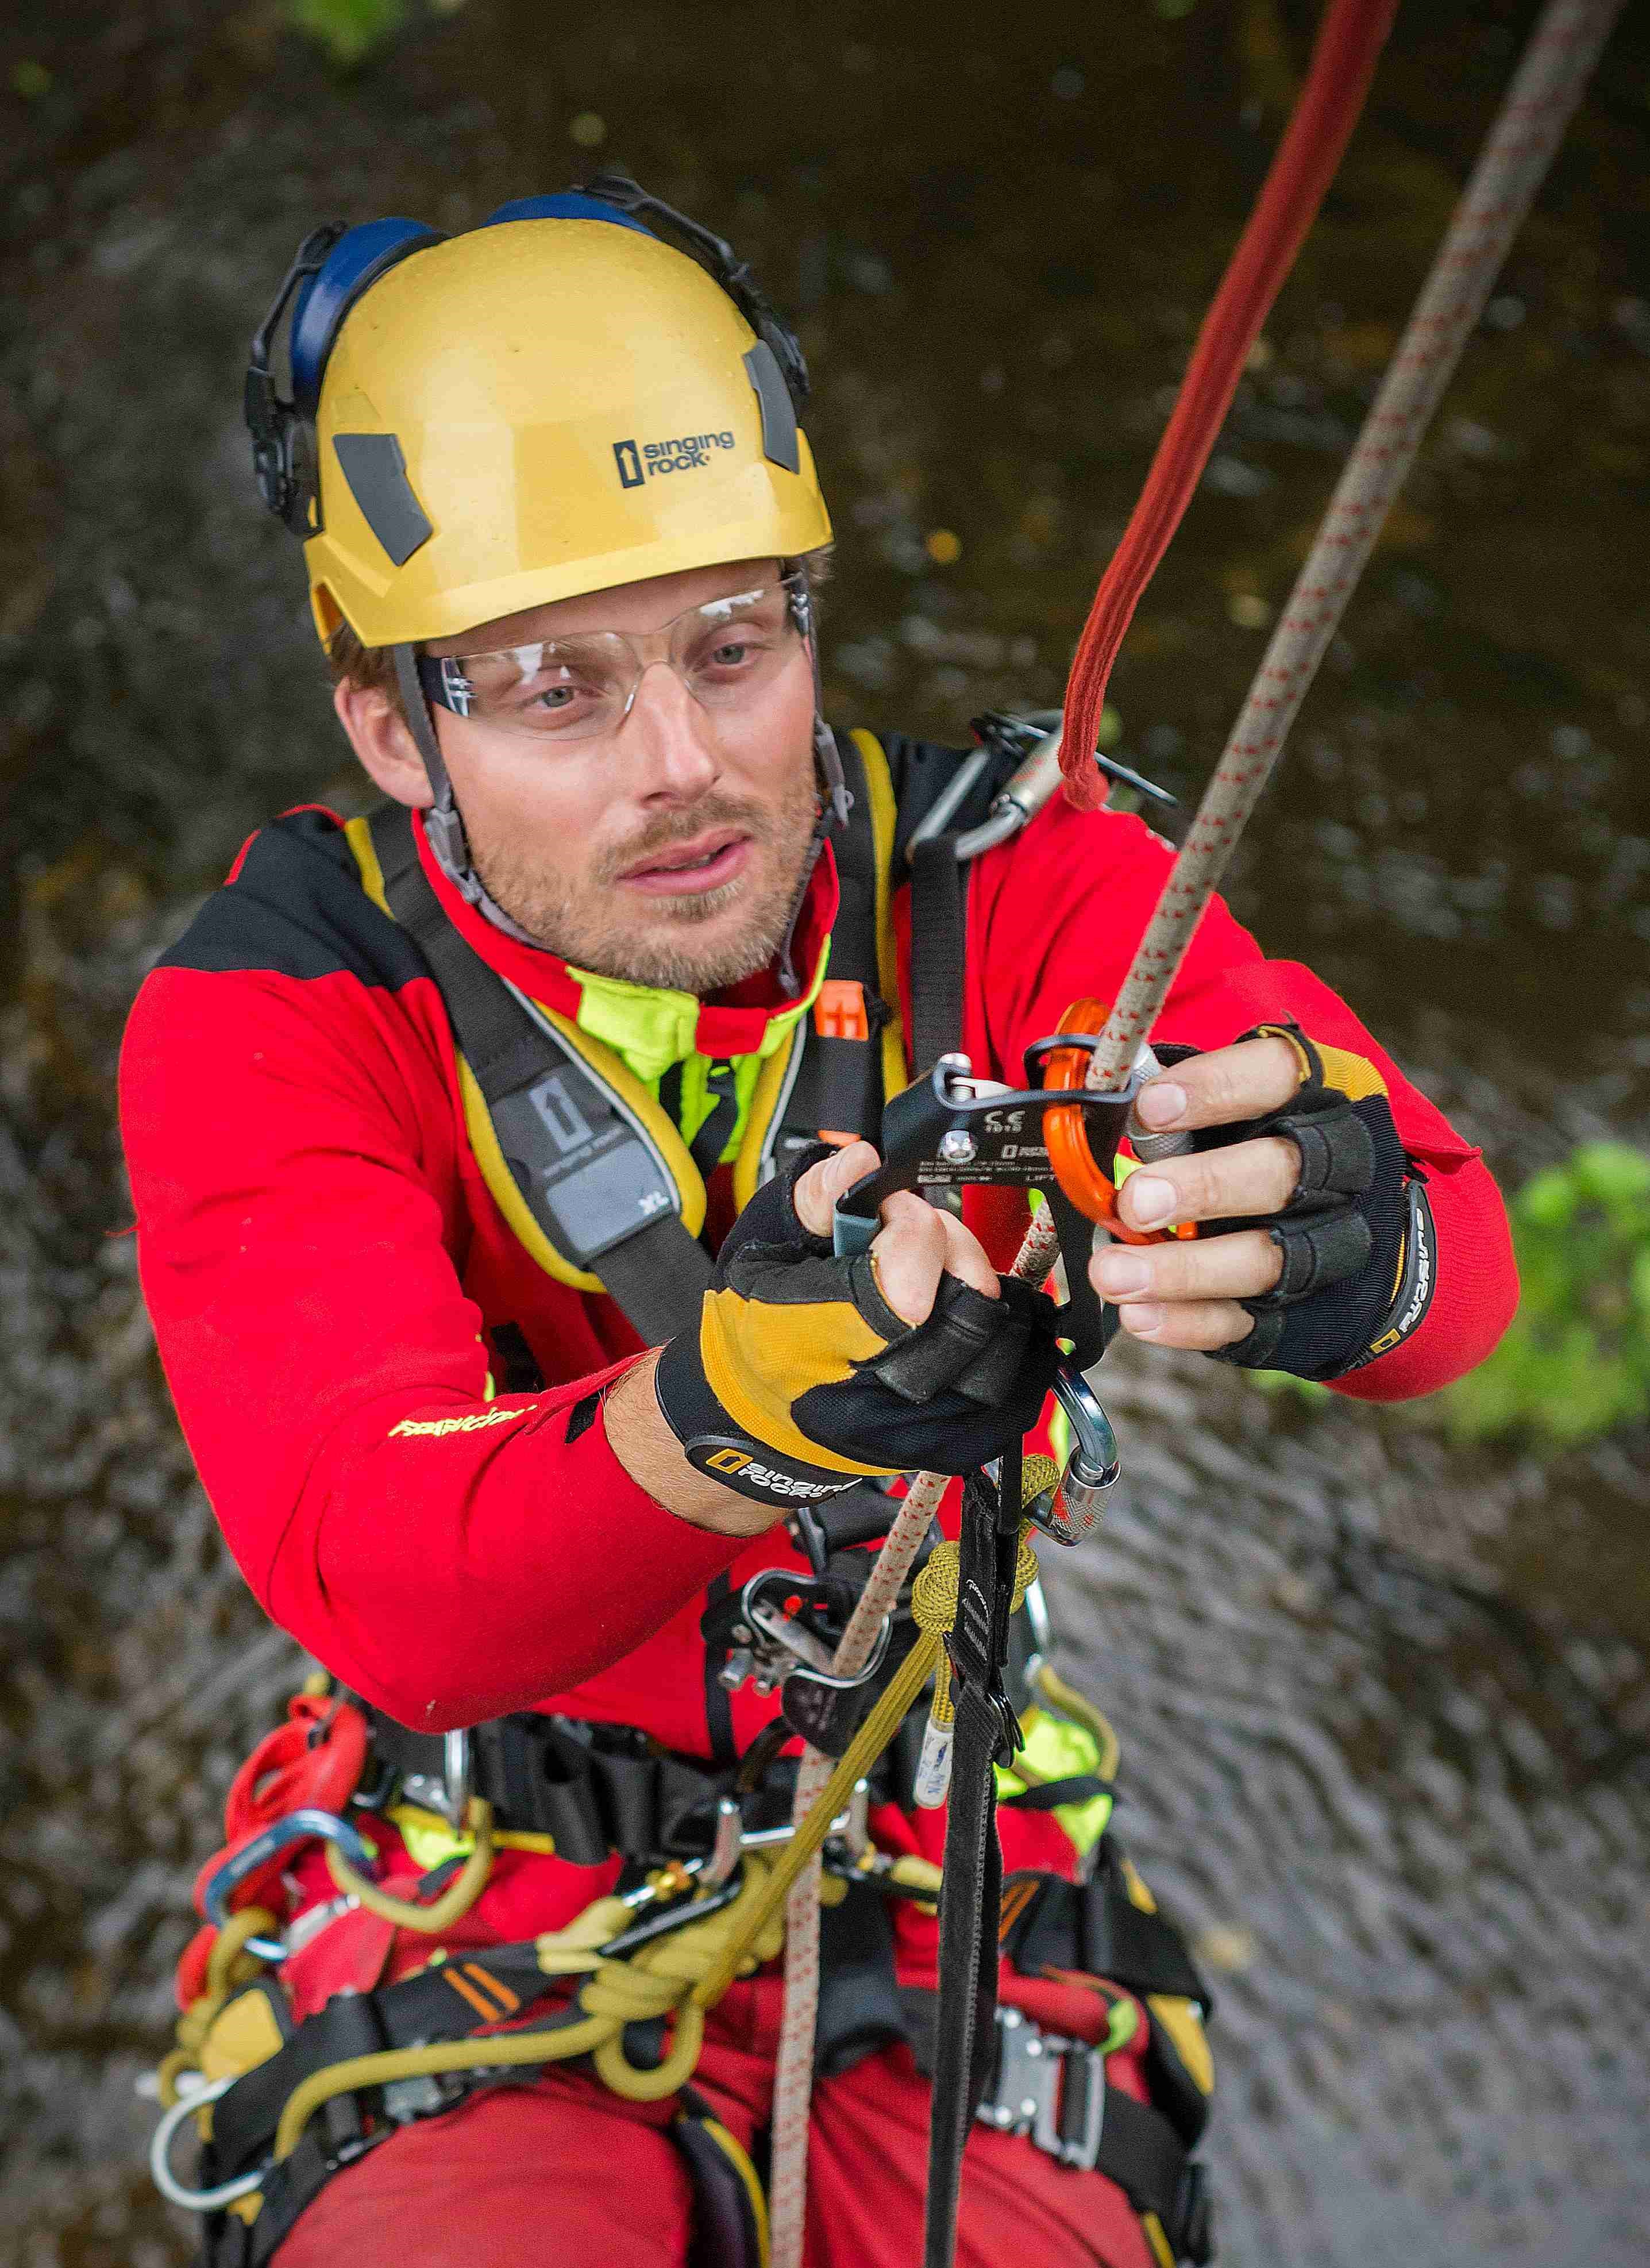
(454, 1901)
(654, 1981)
(934, 1605)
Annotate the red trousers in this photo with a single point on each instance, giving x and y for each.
(561, 2171)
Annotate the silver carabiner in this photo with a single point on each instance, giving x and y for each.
(1091, 1467)
(167, 2181)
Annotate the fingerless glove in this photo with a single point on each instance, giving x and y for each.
(801, 1380)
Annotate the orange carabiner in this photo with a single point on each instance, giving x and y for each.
(1090, 1188)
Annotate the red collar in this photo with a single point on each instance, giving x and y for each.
(733, 1022)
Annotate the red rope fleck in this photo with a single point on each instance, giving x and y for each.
(1349, 41)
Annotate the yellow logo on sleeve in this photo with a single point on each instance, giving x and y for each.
(471, 1424)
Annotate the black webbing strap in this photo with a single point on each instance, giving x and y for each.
(722, 1090)
(442, 2002)
(595, 1187)
(837, 1082)
(972, 1870)
(612, 1791)
(939, 940)
(1097, 1929)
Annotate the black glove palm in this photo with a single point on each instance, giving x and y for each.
(801, 1380)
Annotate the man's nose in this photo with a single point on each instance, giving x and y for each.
(667, 738)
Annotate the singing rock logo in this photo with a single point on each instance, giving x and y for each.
(743, 1471)
(471, 1424)
(687, 454)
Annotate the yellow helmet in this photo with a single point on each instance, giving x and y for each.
(553, 403)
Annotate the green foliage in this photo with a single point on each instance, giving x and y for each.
(1576, 1359)
(348, 29)
(1285, 1382)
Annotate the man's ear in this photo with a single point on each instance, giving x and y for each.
(377, 734)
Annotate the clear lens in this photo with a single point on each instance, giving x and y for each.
(725, 652)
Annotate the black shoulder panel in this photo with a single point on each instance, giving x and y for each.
(296, 909)
(921, 771)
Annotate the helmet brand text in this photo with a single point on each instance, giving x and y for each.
(686, 453)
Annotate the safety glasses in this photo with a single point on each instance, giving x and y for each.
(727, 651)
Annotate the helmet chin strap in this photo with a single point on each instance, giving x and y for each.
(838, 801)
(444, 824)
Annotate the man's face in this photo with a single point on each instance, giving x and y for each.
(668, 849)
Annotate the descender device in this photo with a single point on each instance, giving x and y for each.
(952, 1130)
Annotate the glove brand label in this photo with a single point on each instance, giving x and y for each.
(1418, 1273)
(736, 1463)
(686, 453)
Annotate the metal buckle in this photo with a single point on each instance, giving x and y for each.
(447, 1795)
(1034, 2088)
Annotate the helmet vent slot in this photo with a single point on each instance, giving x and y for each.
(377, 472)
(779, 411)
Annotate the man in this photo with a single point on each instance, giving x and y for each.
(455, 1370)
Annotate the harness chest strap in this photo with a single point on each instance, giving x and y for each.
(590, 1173)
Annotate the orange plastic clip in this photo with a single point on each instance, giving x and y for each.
(1078, 1171)
(839, 1013)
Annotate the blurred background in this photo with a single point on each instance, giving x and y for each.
(1380, 1675)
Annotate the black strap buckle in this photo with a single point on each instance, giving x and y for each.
(1047, 2087)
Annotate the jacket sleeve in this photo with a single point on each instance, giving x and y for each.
(450, 1556)
(1057, 913)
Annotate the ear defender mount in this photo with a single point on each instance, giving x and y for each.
(629, 198)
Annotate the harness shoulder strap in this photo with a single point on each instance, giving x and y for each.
(851, 1054)
(926, 777)
(939, 944)
(594, 1183)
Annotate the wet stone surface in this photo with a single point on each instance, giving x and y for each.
(1383, 1701)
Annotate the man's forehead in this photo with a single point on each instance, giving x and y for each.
(636, 607)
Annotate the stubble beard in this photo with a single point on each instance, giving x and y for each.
(596, 923)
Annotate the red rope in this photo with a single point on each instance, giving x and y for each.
(1349, 41)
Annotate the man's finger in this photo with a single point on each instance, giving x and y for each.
(966, 1257)
(909, 1256)
(1240, 1266)
(1251, 1178)
(818, 1190)
(1220, 1088)
(1201, 1325)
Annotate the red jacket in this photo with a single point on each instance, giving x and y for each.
(323, 1263)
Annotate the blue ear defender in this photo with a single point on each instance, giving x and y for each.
(333, 265)
(356, 262)
(566, 205)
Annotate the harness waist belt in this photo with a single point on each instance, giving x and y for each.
(598, 1789)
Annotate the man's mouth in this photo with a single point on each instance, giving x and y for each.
(684, 868)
